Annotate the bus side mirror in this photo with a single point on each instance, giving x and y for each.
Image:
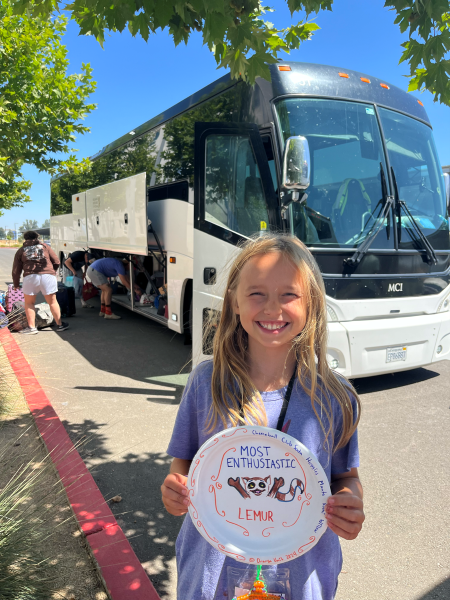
(447, 188)
(296, 165)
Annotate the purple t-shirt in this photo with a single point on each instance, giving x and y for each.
(110, 267)
(202, 570)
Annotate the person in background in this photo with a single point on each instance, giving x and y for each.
(39, 264)
(75, 263)
(99, 272)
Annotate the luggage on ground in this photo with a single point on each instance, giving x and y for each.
(17, 319)
(44, 317)
(66, 300)
(13, 296)
(89, 291)
(3, 317)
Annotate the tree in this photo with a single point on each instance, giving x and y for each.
(40, 105)
(428, 24)
(135, 157)
(2, 233)
(46, 223)
(28, 225)
(241, 40)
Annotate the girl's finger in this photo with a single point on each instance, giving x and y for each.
(171, 482)
(175, 502)
(349, 500)
(351, 527)
(341, 532)
(175, 493)
(350, 514)
(169, 494)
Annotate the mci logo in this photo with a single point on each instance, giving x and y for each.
(395, 287)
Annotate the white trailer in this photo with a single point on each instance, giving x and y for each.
(178, 194)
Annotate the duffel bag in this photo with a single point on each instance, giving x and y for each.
(89, 291)
(44, 317)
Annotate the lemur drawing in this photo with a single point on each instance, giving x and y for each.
(259, 486)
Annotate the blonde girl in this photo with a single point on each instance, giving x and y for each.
(272, 329)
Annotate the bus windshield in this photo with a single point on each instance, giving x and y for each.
(413, 157)
(345, 196)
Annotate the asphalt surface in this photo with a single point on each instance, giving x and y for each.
(116, 386)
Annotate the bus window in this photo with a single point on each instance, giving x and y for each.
(342, 202)
(413, 157)
(234, 196)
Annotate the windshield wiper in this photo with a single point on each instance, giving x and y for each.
(431, 255)
(388, 202)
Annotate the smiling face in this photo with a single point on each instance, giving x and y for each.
(269, 300)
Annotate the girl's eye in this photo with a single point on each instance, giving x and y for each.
(256, 294)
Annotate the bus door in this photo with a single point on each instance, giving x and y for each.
(234, 199)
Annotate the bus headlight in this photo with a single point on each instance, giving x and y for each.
(332, 316)
(445, 304)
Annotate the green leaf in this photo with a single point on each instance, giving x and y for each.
(214, 6)
(214, 28)
(163, 12)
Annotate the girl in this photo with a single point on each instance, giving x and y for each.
(272, 328)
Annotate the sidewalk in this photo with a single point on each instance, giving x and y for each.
(116, 386)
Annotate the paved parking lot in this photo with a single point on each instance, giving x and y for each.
(116, 386)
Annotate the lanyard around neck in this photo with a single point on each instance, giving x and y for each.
(286, 399)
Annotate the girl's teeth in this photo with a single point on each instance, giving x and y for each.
(272, 325)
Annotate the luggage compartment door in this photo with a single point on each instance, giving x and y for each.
(79, 218)
(117, 216)
(234, 199)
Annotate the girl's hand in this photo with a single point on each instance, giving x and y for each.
(175, 494)
(345, 515)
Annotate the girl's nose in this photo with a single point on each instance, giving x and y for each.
(272, 307)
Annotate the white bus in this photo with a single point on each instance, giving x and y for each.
(342, 160)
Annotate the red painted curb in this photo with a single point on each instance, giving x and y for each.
(120, 568)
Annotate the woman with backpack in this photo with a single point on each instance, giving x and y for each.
(39, 264)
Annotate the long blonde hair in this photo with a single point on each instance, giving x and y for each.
(235, 398)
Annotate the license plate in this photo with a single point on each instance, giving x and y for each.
(395, 354)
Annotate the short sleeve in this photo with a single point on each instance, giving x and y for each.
(345, 458)
(184, 442)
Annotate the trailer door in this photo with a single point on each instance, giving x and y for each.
(234, 199)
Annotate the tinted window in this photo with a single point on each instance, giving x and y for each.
(342, 203)
(420, 183)
(137, 156)
(166, 154)
(234, 196)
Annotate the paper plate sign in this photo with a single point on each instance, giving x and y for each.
(258, 495)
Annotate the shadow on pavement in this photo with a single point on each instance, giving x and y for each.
(440, 592)
(134, 346)
(379, 383)
(157, 399)
(137, 479)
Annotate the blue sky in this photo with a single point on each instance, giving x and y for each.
(137, 80)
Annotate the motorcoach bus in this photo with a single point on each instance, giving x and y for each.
(343, 160)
